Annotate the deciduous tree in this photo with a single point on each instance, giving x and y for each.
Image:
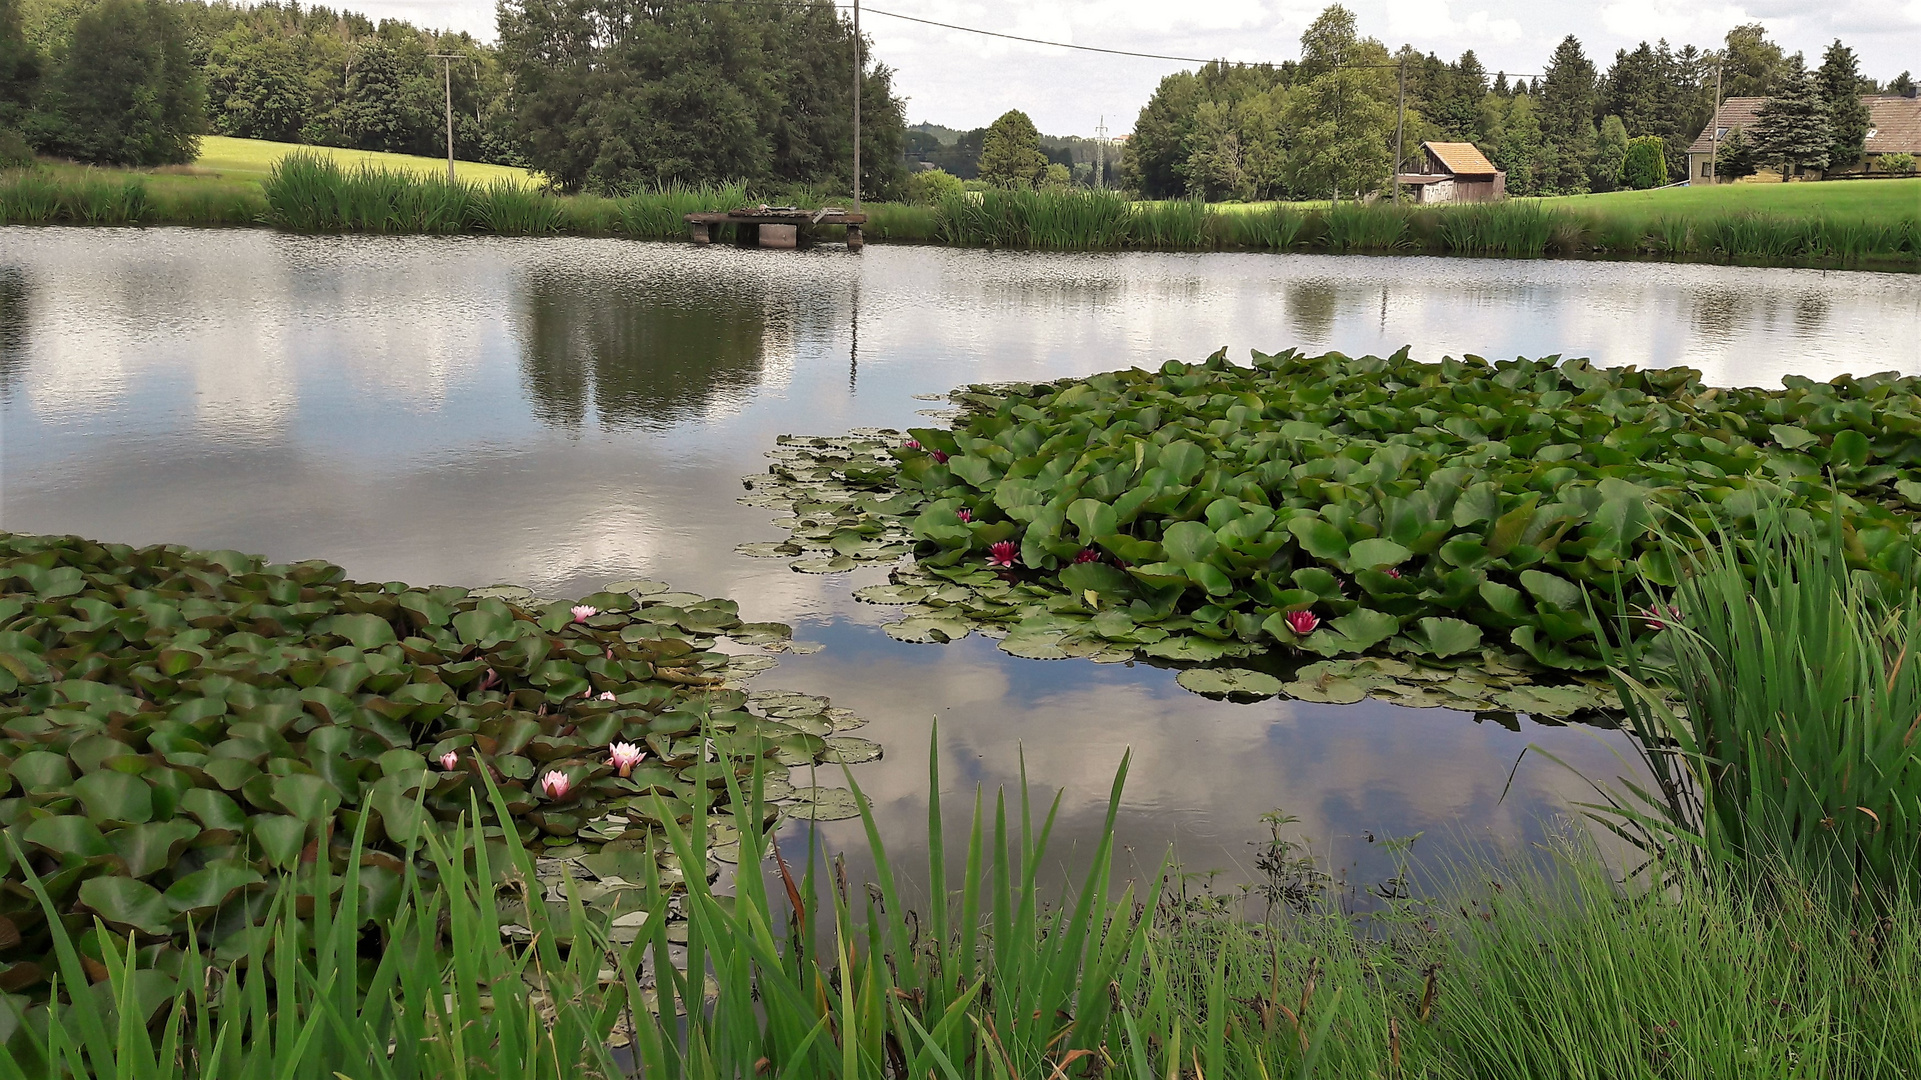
(1011, 154)
(126, 91)
(1341, 116)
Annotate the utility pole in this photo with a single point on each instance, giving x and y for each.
(859, 63)
(447, 73)
(1400, 126)
(1100, 153)
(1714, 129)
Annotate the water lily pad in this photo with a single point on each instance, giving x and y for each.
(848, 750)
(1331, 691)
(1229, 681)
(823, 804)
(1553, 700)
(1033, 646)
(929, 629)
(890, 594)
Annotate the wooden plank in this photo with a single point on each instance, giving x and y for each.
(725, 218)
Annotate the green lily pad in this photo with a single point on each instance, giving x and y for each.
(1229, 681)
(130, 904)
(823, 804)
(848, 750)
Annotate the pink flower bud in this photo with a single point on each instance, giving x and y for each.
(912, 444)
(555, 785)
(605, 695)
(450, 761)
(1302, 622)
(939, 456)
(583, 612)
(964, 514)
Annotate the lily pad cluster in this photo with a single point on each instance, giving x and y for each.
(177, 726)
(1458, 514)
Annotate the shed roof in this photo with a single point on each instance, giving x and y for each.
(1461, 159)
(1895, 123)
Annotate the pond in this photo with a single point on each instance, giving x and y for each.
(561, 413)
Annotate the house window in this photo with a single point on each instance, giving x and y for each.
(1707, 168)
(1872, 132)
(1720, 133)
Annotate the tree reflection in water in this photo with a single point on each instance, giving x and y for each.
(643, 356)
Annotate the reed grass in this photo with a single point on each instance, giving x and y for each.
(309, 192)
(1796, 734)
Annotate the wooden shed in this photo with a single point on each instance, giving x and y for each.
(1455, 172)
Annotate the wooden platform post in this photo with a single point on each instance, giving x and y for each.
(854, 239)
(701, 233)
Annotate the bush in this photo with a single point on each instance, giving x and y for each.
(14, 151)
(928, 188)
(1898, 164)
(1646, 164)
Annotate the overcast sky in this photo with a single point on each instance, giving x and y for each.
(964, 80)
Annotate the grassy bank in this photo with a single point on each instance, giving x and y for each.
(1522, 968)
(1867, 224)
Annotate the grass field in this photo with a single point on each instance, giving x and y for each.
(250, 159)
(1857, 198)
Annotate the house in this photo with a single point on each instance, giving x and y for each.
(1894, 127)
(1455, 172)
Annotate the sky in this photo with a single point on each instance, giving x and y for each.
(965, 80)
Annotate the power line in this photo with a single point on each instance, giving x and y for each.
(1395, 66)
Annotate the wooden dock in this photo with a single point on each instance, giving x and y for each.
(775, 226)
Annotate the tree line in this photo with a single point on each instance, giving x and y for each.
(1326, 124)
(599, 95)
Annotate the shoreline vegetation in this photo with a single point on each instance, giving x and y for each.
(311, 192)
(1755, 940)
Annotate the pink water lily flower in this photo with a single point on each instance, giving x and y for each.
(912, 444)
(964, 514)
(626, 755)
(555, 785)
(450, 761)
(1087, 555)
(940, 456)
(1302, 622)
(605, 695)
(583, 612)
(1393, 573)
(1660, 615)
(1004, 554)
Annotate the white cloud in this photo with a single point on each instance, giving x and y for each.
(1421, 22)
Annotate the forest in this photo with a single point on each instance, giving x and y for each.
(603, 96)
(1327, 122)
(612, 96)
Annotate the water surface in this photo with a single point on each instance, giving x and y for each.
(560, 413)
